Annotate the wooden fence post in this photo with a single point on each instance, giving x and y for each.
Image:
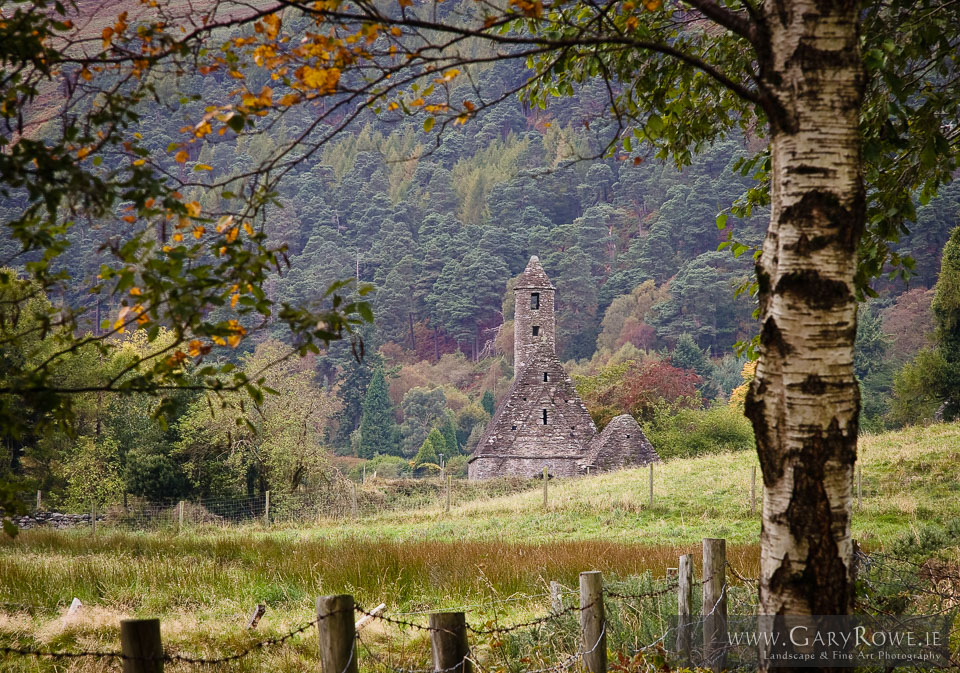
(180, 518)
(356, 509)
(556, 597)
(714, 603)
(651, 484)
(338, 635)
(38, 501)
(684, 607)
(545, 479)
(449, 642)
(266, 509)
(449, 486)
(859, 487)
(140, 645)
(93, 518)
(592, 628)
(753, 490)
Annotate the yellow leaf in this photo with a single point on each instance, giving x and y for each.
(396, 31)
(234, 298)
(135, 291)
(198, 231)
(139, 162)
(129, 218)
(193, 208)
(86, 74)
(417, 103)
(178, 237)
(218, 340)
(247, 228)
(393, 106)
(83, 151)
(652, 5)
(203, 167)
(232, 234)
(182, 156)
(324, 80)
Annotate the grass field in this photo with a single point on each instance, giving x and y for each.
(495, 556)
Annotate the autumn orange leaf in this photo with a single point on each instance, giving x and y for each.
(182, 156)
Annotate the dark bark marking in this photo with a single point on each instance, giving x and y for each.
(813, 385)
(818, 292)
(820, 205)
(824, 581)
(809, 58)
(806, 169)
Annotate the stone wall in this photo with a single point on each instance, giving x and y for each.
(53, 520)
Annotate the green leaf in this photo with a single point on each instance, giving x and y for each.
(428, 124)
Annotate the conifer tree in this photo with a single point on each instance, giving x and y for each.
(946, 312)
(488, 403)
(449, 431)
(378, 430)
(428, 450)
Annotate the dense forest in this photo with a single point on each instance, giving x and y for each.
(654, 314)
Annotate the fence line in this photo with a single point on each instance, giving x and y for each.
(883, 578)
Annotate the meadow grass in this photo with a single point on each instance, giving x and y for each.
(494, 556)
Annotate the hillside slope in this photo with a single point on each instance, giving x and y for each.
(910, 479)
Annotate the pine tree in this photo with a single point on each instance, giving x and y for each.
(378, 430)
(488, 403)
(449, 431)
(428, 450)
(946, 312)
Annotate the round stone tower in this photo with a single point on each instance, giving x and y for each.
(533, 320)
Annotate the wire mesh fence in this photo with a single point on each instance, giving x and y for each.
(336, 499)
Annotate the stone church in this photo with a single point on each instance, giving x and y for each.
(542, 422)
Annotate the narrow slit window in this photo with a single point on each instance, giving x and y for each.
(536, 330)
(544, 416)
(546, 376)
(534, 301)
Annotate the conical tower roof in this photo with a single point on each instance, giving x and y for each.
(621, 444)
(534, 277)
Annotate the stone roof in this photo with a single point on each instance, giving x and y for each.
(517, 430)
(621, 444)
(534, 277)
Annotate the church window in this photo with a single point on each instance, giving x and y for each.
(534, 301)
(536, 330)
(628, 436)
(546, 376)
(513, 427)
(544, 416)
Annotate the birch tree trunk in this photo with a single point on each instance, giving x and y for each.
(804, 400)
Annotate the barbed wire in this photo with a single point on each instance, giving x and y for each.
(467, 608)
(172, 658)
(641, 596)
(535, 622)
(733, 571)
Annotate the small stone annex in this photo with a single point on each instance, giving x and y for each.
(542, 422)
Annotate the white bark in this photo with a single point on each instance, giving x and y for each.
(804, 400)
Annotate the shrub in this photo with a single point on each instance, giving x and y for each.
(684, 433)
(385, 467)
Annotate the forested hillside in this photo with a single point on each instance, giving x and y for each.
(440, 224)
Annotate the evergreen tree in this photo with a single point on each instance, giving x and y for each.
(428, 450)
(488, 403)
(378, 431)
(946, 312)
(687, 355)
(449, 431)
